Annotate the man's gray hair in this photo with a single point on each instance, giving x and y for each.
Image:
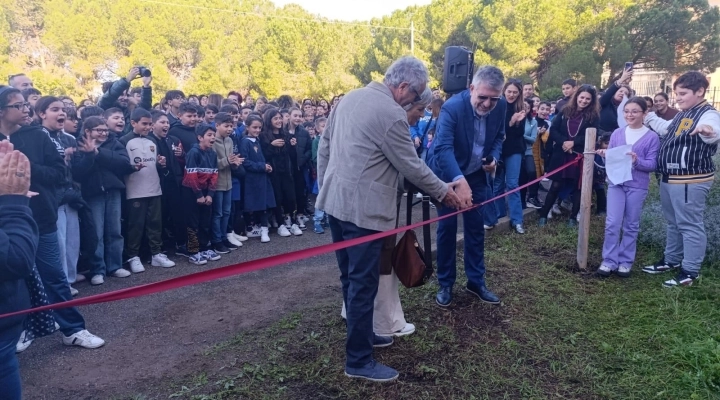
(407, 69)
(425, 99)
(490, 76)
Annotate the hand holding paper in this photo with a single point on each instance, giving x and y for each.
(618, 164)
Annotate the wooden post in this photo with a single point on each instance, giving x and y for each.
(586, 198)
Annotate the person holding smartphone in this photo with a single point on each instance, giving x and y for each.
(612, 99)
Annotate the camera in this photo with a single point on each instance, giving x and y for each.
(145, 72)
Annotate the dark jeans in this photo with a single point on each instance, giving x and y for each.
(360, 276)
(300, 193)
(199, 219)
(474, 237)
(221, 206)
(600, 197)
(144, 216)
(10, 386)
(527, 174)
(173, 213)
(47, 260)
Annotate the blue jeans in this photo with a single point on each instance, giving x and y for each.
(222, 203)
(106, 209)
(474, 237)
(360, 276)
(68, 229)
(10, 387)
(319, 215)
(508, 178)
(47, 260)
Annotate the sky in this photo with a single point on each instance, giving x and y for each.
(352, 10)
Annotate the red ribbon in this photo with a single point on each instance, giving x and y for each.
(255, 265)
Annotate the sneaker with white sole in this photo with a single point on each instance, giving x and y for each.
(605, 270)
(660, 267)
(556, 209)
(136, 266)
(83, 339)
(210, 255)
(240, 238)
(295, 230)
(197, 259)
(283, 231)
(407, 330)
(681, 279)
(301, 223)
(121, 273)
(624, 271)
(161, 260)
(233, 241)
(80, 278)
(97, 280)
(288, 222)
(264, 234)
(255, 232)
(418, 196)
(23, 343)
(73, 292)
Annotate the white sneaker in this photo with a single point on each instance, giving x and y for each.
(305, 218)
(80, 278)
(288, 221)
(136, 265)
(295, 230)
(255, 232)
(418, 196)
(264, 237)
(83, 339)
(301, 223)
(97, 280)
(273, 221)
(556, 209)
(239, 238)
(233, 241)
(22, 344)
(550, 214)
(74, 292)
(121, 273)
(161, 260)
(283, 231)
(407, 330)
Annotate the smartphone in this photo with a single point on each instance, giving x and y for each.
(628, 66)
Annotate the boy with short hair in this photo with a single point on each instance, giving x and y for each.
(568, 89)
(199, 186)
(184, 130)
(174, 99)
(222, 199)
(210, 111)
(143, 193)
(115, 121)
(319, 214)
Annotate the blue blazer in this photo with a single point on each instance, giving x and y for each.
(451, 149)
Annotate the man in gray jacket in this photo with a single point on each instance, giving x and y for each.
(360, 160)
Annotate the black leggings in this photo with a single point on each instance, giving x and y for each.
(553, 195)
(284, 188)
(300, 196)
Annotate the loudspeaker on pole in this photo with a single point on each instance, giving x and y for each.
(458, 69)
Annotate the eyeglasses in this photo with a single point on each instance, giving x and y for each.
(486, 98)
(19, 106)
(633, 112)
(100, 131)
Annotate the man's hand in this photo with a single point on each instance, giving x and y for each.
(5, 147)
(417, 142)
(463, 192)
(208, 200)
(162, 161)
(146, 80)
(490, 167)
(705, 130)
(14, 173)
(134, 72)
(177, 150)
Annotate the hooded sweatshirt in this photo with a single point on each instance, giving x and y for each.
(201, 171)
(224, 148)
(186, 135)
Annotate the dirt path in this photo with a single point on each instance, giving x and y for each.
(160, 336)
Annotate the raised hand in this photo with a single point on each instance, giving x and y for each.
(14, 174)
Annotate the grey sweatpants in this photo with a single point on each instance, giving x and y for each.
(683, 206)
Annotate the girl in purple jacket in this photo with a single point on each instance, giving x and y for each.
(625, 199)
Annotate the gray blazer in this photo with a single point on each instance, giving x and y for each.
(364, 149)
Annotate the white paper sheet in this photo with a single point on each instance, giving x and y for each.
(618, 164)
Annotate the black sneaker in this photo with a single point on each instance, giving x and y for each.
(182, 251)
(659, 267)
(533, 202)
(681, 279)
(220, 248)
(229, 245)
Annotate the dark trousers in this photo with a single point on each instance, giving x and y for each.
(300, 193)
(47, 261)
(199, 219)
(237, 219)
(173, 213)
(474, 233)
(554, 192)
(284, 189)
(601, 197)
(144, 216)
(359, 275)
(10, 386)
(527, 174)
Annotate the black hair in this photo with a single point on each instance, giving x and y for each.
(649, 100)
(285, 101)
(91, 123)
(307, 125)
(91, 111)
(234, 93)
(692, 80)
(44, 102)
(172, 94)
(267, 132)
(156, 115)
(605, 138)
(110, 111)
(200, 110)
(245, 107)
(252, 118)
(201, 129)
(545, 103)
(226, 102)
(640, 102)
(5, 93)
(531, 103)
(191, 96)
(229, 108)
(71, 113)
(223, 117)
(312, 103)
(212, 108)
(571, 82)
(589, 113)
(285, 111)
(663, 95)
(274, 104)
(30, 92)
(187, 108)
(140, 113)
(136, 90)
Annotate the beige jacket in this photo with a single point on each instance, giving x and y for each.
(364, 149)
(223, 148)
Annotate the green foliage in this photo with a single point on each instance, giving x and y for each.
(70, 46)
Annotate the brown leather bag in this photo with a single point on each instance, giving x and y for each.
(408, 260)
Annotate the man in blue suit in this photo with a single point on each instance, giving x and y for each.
(468, 140)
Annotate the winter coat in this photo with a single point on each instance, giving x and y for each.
(259, 195)
(223, 148)
(103, 171)
(109, 100)
(303, 147)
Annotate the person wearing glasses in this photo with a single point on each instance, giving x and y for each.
(468, 140)
(20, 81)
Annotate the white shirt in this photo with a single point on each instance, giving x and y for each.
(633, 135)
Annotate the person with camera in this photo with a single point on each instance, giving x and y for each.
(118, 95)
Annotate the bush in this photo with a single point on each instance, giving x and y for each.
(653, 226)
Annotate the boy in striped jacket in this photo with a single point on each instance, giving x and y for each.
(688, 143)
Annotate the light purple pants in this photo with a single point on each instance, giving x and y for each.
(624, 206)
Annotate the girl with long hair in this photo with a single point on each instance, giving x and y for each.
(300, 154)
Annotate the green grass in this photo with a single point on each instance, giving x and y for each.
(560, 333)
